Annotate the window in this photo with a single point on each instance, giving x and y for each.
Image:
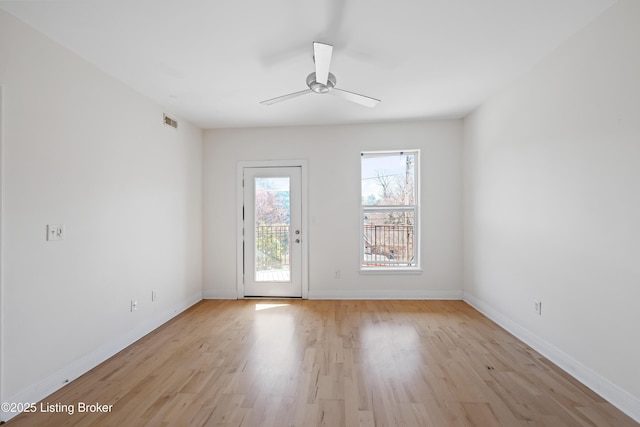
(389, 225)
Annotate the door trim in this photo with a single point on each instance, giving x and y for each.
(302, 164)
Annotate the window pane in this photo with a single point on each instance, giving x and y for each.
(272, 230)
(388, 239)
(388, 179)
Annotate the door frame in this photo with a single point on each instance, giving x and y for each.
(304, 220)
(2, 362)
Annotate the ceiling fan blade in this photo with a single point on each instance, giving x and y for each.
(322, 57)
(367, 101)
(285, 97)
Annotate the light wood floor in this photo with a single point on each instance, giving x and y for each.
(330, 363)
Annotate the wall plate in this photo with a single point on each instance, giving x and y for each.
(55, 232)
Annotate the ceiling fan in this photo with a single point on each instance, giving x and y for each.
(322, 81)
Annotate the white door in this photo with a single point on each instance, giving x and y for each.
(272, 261)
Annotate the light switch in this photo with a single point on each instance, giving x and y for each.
(55, 232)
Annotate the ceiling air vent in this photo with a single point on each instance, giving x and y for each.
(170, 122)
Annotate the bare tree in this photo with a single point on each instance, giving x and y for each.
(384, 180)
(271, 208)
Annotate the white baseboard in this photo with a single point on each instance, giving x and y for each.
(618, 397)
(220, 294)
(387, 294)
(64, 376)
(355, 295)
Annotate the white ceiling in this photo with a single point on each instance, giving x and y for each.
(212, 61)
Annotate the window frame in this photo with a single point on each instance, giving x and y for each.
(415, 208)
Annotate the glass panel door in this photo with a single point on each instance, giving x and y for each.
(272, 233)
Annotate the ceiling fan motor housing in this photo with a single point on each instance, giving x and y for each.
(319, 87)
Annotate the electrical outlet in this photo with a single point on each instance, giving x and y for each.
(337, 273)
(134, 305)
(154, 295)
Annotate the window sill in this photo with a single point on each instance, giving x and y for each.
(392, 270)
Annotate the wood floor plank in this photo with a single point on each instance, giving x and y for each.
(329, 363)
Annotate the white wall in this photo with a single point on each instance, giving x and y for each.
(552, 204)
(82, 149)
(333, 153)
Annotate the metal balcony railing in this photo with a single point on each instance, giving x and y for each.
(384, 245)
(388, 245)
(272, 247)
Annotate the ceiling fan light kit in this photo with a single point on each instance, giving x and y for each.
(322, 81)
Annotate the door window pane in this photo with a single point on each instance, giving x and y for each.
(272, 220)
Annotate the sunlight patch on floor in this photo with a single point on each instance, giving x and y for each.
(261, 306)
